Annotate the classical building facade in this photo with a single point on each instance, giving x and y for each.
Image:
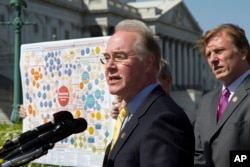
(170, 20)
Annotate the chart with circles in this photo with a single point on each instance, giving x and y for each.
(68, 76)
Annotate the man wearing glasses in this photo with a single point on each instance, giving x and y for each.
(156, 131)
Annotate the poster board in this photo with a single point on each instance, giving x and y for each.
(68, 75)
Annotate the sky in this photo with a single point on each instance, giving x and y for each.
(210, 13)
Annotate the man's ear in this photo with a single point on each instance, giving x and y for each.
(149, 61)
(243, 53)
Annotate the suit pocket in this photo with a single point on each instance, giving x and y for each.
(237, 135)
(238, 125)
(126, 160)
(126, 156)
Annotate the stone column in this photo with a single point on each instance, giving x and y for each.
(166, 55)
(191, 66)
(185, 65)
(173, 61)
(104, 30)
(179, 62)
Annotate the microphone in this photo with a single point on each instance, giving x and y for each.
(62, 130)
(29, 135)
(27, 157)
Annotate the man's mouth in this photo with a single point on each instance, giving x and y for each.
(114, 79)
(217, 69)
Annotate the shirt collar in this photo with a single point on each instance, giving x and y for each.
(137, 100)
(233, 86)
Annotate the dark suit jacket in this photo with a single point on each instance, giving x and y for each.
(214, 141)
(158, 135)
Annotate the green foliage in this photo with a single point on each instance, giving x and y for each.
(11, 131)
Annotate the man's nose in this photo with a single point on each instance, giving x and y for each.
(111, 63)
(213, 58)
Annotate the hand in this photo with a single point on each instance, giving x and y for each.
(22, 111)
(115, 110)
(116, 107)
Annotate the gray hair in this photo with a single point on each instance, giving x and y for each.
(147, 44)
(164, 71)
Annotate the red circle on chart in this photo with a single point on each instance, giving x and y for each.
(63, 96)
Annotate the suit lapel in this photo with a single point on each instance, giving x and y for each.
(237, 98)
(134, 121)
(239, 95)
(214, 103)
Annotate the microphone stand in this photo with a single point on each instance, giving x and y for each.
(28, 157)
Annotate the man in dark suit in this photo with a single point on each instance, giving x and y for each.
(217, 132)
(156, 132)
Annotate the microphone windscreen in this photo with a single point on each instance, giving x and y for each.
(58, 117)
(62, 115)
(79, 125)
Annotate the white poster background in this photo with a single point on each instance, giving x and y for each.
(68, 75)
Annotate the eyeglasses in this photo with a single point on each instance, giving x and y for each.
(118, 57)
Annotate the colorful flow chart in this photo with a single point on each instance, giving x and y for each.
(68, 76)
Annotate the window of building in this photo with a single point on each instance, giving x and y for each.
(66, 34)
(54, 34)
(35, 28)
(1, 17)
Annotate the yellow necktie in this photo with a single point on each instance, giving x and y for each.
(118, 124)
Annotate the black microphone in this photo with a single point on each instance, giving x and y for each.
(31, 134)
(27, 157)
(62, 130)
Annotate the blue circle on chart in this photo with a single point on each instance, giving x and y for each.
(30, 99)
(69, 72)
(90, 101)
(97, 93)
(89, 68)
(41, 104)
(102, 76)
(98, 106)
(46, 58)
(50, 104)
(51, 62)
(26, 74)
(59, 73)
(58, 61)
(85, 77)
(83, 98)
(96, 81)
(72, 141)
(27, 81)
(27, 95)
(44, 96)
(82, 52)
(39, 94)
(51, 54)
(48, 87)
(87, 50)
(89, 86)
